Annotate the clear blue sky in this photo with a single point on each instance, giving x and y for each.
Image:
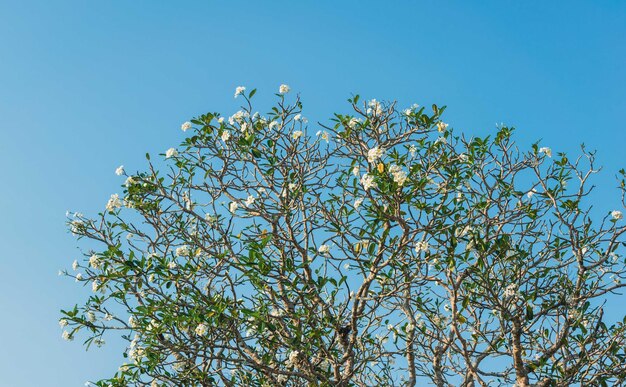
(88, 85)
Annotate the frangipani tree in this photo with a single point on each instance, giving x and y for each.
(382, 249)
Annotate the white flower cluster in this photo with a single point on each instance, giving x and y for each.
(510, 291)
(182, 251)
(547, 151)
(399, 176)
(114, 202)
(172, 152)
(284, 89)
(120, 170)
(374, 154)
(292, 359)
(201, 329)
(324, 249)
(421, 246)
(239, 90)
(324, 135)
(354, 122)
(239, 117)
(368, 182)
(185, 126)
(375, 107)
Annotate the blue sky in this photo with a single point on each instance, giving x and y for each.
(86, 86)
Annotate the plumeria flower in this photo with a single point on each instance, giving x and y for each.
(421, 246)
(617, 215)
(357, 203)
(120, 170)
(201, 330)
(239, 90)
(225, 136)
(441, 126)
(374, 154)
(233, 207)
(284, 89)
(248, 202)
(323, 249)
(171, 153)
(547, 151)
(114, 202)
(368, 182)
(355, 171)
(323, 134)
(185, 126)
(297, 134)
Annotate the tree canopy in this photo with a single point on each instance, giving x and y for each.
(380, 248)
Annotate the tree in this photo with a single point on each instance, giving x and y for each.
(383, 250)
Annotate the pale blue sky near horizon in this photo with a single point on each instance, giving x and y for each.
(87, 86)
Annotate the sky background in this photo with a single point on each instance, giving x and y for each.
(88, 85)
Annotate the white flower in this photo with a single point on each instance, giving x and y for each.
(273, 124)
(617, 215)
(412, 150)
(249, 200)
(546, 150)
(323, 249)
(108, 317)
(201, 330)
(324, 135)
(357, 203)
(225, 135)
(182, 251)
(238, 117)
(353, 122)
(374, 154)
(79, 277)
(62, 323)
(299, 117)
(220, 120)
(355, 171)
(297, 134)
(510, 290)
(441, 140)
(172, 265)
(292, 186)
(67, 336)
(185, 126)
(120, 170)
(171, 153)
(91, 316)
(346, 266)
(129, 181)
(531, 193)
(390, 327)
(374, 107)
(284, 89)
(441, 126)
(399, 176)
(233, 207)
(132, 322)
(114, 202)
(421, 246)
(293, 357)
(75, 265)
(368, 182)
(409, 327)
(95, 285)
(239, 90)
